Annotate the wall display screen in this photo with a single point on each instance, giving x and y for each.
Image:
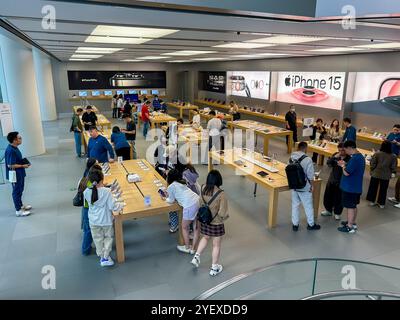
(155, 92)
(81, 80)
(132, 91)
(108, 93)
(377, 93)
(143, 92)
(95, 93)
(82, 93)
(214, 81)
(251, 84)
(318, 89)
(120, 92)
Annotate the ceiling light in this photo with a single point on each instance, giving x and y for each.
(153, 58)
(131, 60)
(77, 59)
(243, 45)
(97, 50)
(105, 30)
(387, 45)
(188, 53)
(123, 40)
(209, 59)
(179, 61)
(336, 49)
(283, 39)
(86, 56)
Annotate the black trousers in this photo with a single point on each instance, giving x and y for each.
(125, 153)
(314, 157)
(383, 186)
(294, 136)
(114, 113)
(333, 199)
(217, 141)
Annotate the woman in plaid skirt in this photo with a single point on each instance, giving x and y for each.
(215, 229)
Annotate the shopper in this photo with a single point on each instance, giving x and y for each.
(120, 105)
(396, 198)
(319, 133)
(351, 185)
(291, 123)
(178, 191)
(394, 139)
(89, 118)
(216, 229)
(383, 166)
(303, 196)
(156, 103)
(130, 133)
(333, 133)
(146, 117)
(333, 194)
(101, 207)
(17, 165)
(77, 129)
(163, 107)
(196, 120)
(350, 133)
(127, 108)
(99, 147)
(121, 145)
(114, 106)
(234, 110)
(190, 175)
(214, 127)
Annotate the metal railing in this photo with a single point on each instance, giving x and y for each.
(371, 295)
(315, 277)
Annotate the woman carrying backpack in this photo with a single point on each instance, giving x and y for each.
(214, 198)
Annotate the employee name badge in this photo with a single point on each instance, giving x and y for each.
(120, 159)
(12, 176)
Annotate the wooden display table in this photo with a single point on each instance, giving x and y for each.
(157, 118)
(278, 118)
(94, 109)
(266, 131)
(103, 122)
(278, 184)
(369, 137)
(182, 108)
(133, 195)
(207, 117)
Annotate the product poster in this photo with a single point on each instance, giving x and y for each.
(250, 84)
(318, 89)
(214, 81)
(308, 127)
(6, 118)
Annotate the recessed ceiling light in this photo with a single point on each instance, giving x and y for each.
(284, 39)
(209, 59)
(97, 50)
(387, 45)
(259, 55)
(86, 56)
(179, 61)
(105, 30)
(153, 58)
(131, 60)
(187, 53)
(243, 45)
(336, 49)
(123, 40)
(76, 59)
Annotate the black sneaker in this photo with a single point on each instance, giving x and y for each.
(347, 229)
(314, 227)
(295, 228)
(344, 223)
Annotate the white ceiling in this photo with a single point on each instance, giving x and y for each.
(197, 31)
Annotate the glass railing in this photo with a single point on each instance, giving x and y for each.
(299, 279)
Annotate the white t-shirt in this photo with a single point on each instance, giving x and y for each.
(196, 119)
(185, 197)
(120, 103)
(214, 126)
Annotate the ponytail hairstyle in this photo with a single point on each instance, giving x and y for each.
(175, 176)
(95, 177)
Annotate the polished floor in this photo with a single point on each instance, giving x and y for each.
(154, 269)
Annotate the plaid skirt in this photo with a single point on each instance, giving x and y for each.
(211, 230)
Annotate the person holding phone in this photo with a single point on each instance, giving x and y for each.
(394, 139)
(15, 162)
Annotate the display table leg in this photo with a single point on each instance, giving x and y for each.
(119, 240)
(210, 164)
(316, 196)
(273, 208)
(321, 159)
(290, 143)
(266, 146)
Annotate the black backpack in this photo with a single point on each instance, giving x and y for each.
(205, 215)
(295, 174)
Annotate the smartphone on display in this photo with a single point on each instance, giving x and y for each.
(221, 152)
(389, 88)
(262, 174)
(162, 193)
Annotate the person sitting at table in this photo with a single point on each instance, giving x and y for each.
(333, 133)
(234, 110)
(394, 139)
(121, 145)
(89, 118)
(350, 133)
(383, 166)
(99, 147)
(319, 133)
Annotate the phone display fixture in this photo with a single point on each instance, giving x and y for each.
(83, 93)
(108, 93)
(162, 192)
(95, 93)
(262, 174)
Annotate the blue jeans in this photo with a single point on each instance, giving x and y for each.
(18, 189)
(87, 234)
(78, 143)
(146, 126)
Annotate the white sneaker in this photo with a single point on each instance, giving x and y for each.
(196, 260)
(382, 207)
(326, 213)
(372, 204)
(22, 213)
(337, 217)
(397, 205)
(393, 199)
(184, 249)
(106, 262)
(216, 270)
(27, 207)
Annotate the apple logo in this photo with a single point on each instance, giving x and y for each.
(287, 81)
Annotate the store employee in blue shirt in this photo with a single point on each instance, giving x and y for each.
(99, 147)
(351, 185)
(14, 161)
(394, 138)
(350, 133)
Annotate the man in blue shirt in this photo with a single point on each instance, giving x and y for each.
(15, 162)
(99, 147)
(350, 133)
(156, 103)
(394, 138)
(121, 145)
(351, 185)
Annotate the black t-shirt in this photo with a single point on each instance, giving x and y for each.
(91, 118)
(291, 118)
(128, 109)
(130, 126)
